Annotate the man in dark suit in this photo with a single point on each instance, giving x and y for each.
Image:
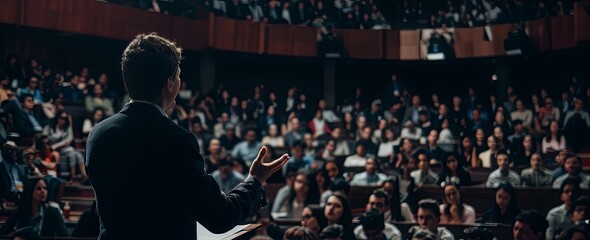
(23, 119)
(147, 172)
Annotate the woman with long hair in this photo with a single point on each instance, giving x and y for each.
(505, 207)
(397, 210)
(97, 116)
(337, 211)
(467, 152)
(554, 141)
(453, 171)
(34, 212)
(61, 135)
(453, 210)
(303, 192)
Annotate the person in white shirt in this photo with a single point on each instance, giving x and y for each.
(487, 157)
(396, 210)
(503, 173)
(558, 217)
(410, 131)
(359, 159)
(453, 210)
(429, 219)
(387, 144)
(370, 177)
(573, 169)
(424, 175)
(554, 141)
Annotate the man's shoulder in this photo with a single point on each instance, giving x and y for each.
(559, 210)
(526, 172)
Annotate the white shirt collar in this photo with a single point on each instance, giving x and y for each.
(150, 103)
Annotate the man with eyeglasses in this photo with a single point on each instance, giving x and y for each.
(373, 225)
(429, 218)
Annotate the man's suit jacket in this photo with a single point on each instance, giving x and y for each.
(6, 181)
(20, 120)
(150, 181)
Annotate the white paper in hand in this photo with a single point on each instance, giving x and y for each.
(204, 234)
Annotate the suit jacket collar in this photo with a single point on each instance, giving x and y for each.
(141, 108)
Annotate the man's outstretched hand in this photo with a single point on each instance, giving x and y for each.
(262, 171)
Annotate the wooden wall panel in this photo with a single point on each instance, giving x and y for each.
(277, 40)
(224, 33)
(303, 41)
(500, 33)
(581, 21)
(539, 34)
(562, 32)
(409, 41)
(392, 45)
(362, 44)
(9, 11)
(247, 36)
(464, 41)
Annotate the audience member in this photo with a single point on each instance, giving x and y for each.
(374, 227)
(505, 207)
(536, 175)
(303, 192)
(558, 217)
(453, 210)
(24, 122)
(503, 173)
(247, 149)
(429, 219)
(337, 211)
(225, 176)
(98, 114)
(453, 171)
(424, 175)
(60, 135)
(300, 233)
(97, 99)
(273, 138)
(573, 168)
(529, 225)
(359, 159)
(297, 160)
(13, 175)
(89, 224)
(371, 176)
(396, 210)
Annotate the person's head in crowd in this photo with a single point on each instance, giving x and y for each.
(197, 128)
(499, 117)
(376, 105)
(98, 115)
(33, 82)
(423, 117)
(312, 217)
(416, 100)
(421, 234)
(34, 193)
(373, 224)
(340, 186)
(517, 126)
(519, 105)
(377, 200)
(225, 167)
(297, 150)
(492, 143)
(235, 102)
(295, 124)
(572, 164)
(361, 122)
(428, 214)
(11, 152)
(273, 130)
(250, 135)
(528, 144)
(270, 111)
(478, 233)
(578, 104)
(330, 146)
(334, 169)
(452, 196)
(307, 141)
(529, 225)
(62, 120)
(410, 126)
(361, 148)
(423, 162)
(214, 146)
(476, 115)
(548, 103)
(230, 131)
(321, 178)
(27, 101)
(452, 166)
(577, 232)
(456, 101)
(498, 133)
(443, 109)
(348, 118)
(536, 162)
(503, 160)
(407, 146)
(244, 105)
(391, 187)
(4, 81)
(98, 91)
(332, 232)
(479, 135)
(535, 100)
(337, 133)
(337, 210)
(305, 187)
(366, 133)
(579, 210)
(466, 144)
(103, 79)
(388, 135)
(300, 233)
(151, 72)
(506, 201)
(224, 117)
(570, 190)
(239, 165)
(432, 137)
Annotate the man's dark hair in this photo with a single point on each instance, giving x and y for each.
(380, 193)
(534, 219)
(147, 63)
(573, 181)
(430, 204)
(24, 96)
(581, 201)
(340, 184)
(298, 143)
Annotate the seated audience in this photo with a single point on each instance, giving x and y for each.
(34, 212)
(97, 116)
(536, 175)
(554, 141)
(453, 171)
(12, 175)
(359, 159)
(524, 153)
(372, 226)
(580, 231)
(579, 210)
(389, 141)
(488, 157)
(576, 126)
(298, 232)
(328, 152)
(410, 131)
(523, 114)
(23, 120)
(332, 232)
(371, 176)
(503, 173)
(424, 175)
(453, 210)
(247, 149)
(573, 169)
(396, 211)
(303, 192)
(529, 225)
(61, 135)
(429, 219)
(433, 151)
(225, 176)
(559, 161)
(97, 99)
(558, 217)
(312, 217)
(297, 160)
(337, 211)
(505, 207)
(273, 138)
